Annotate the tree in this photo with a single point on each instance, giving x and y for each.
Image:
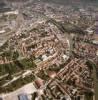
(15, 55)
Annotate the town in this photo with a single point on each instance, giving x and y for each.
(48, 51)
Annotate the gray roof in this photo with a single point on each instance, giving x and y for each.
(23, 97)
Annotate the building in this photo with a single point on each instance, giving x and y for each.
(22, 97)
(39, 83)
(1, 98)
